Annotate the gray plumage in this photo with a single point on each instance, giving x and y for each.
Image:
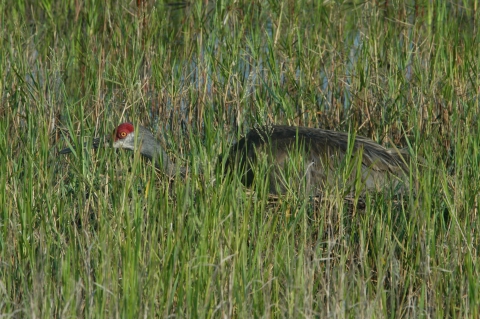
(319, 155)
(124, 137)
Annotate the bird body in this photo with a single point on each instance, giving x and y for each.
(322, 153)
(315, 155)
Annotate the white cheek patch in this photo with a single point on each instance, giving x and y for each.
(126, 143)
(118, 144)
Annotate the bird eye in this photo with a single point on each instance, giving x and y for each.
(123, 134)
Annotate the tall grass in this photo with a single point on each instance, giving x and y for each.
(101, 234)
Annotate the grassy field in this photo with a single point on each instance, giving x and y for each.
(100, 234)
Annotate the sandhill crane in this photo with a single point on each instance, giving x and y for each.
(321, 153)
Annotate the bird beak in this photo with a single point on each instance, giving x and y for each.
(97, 143)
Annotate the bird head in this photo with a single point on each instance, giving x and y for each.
(124, 136)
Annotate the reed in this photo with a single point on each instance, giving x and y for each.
(99, 234)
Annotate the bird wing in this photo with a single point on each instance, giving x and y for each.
(319, 143)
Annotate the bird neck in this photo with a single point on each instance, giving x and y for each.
(153, 150)
(162, 161)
